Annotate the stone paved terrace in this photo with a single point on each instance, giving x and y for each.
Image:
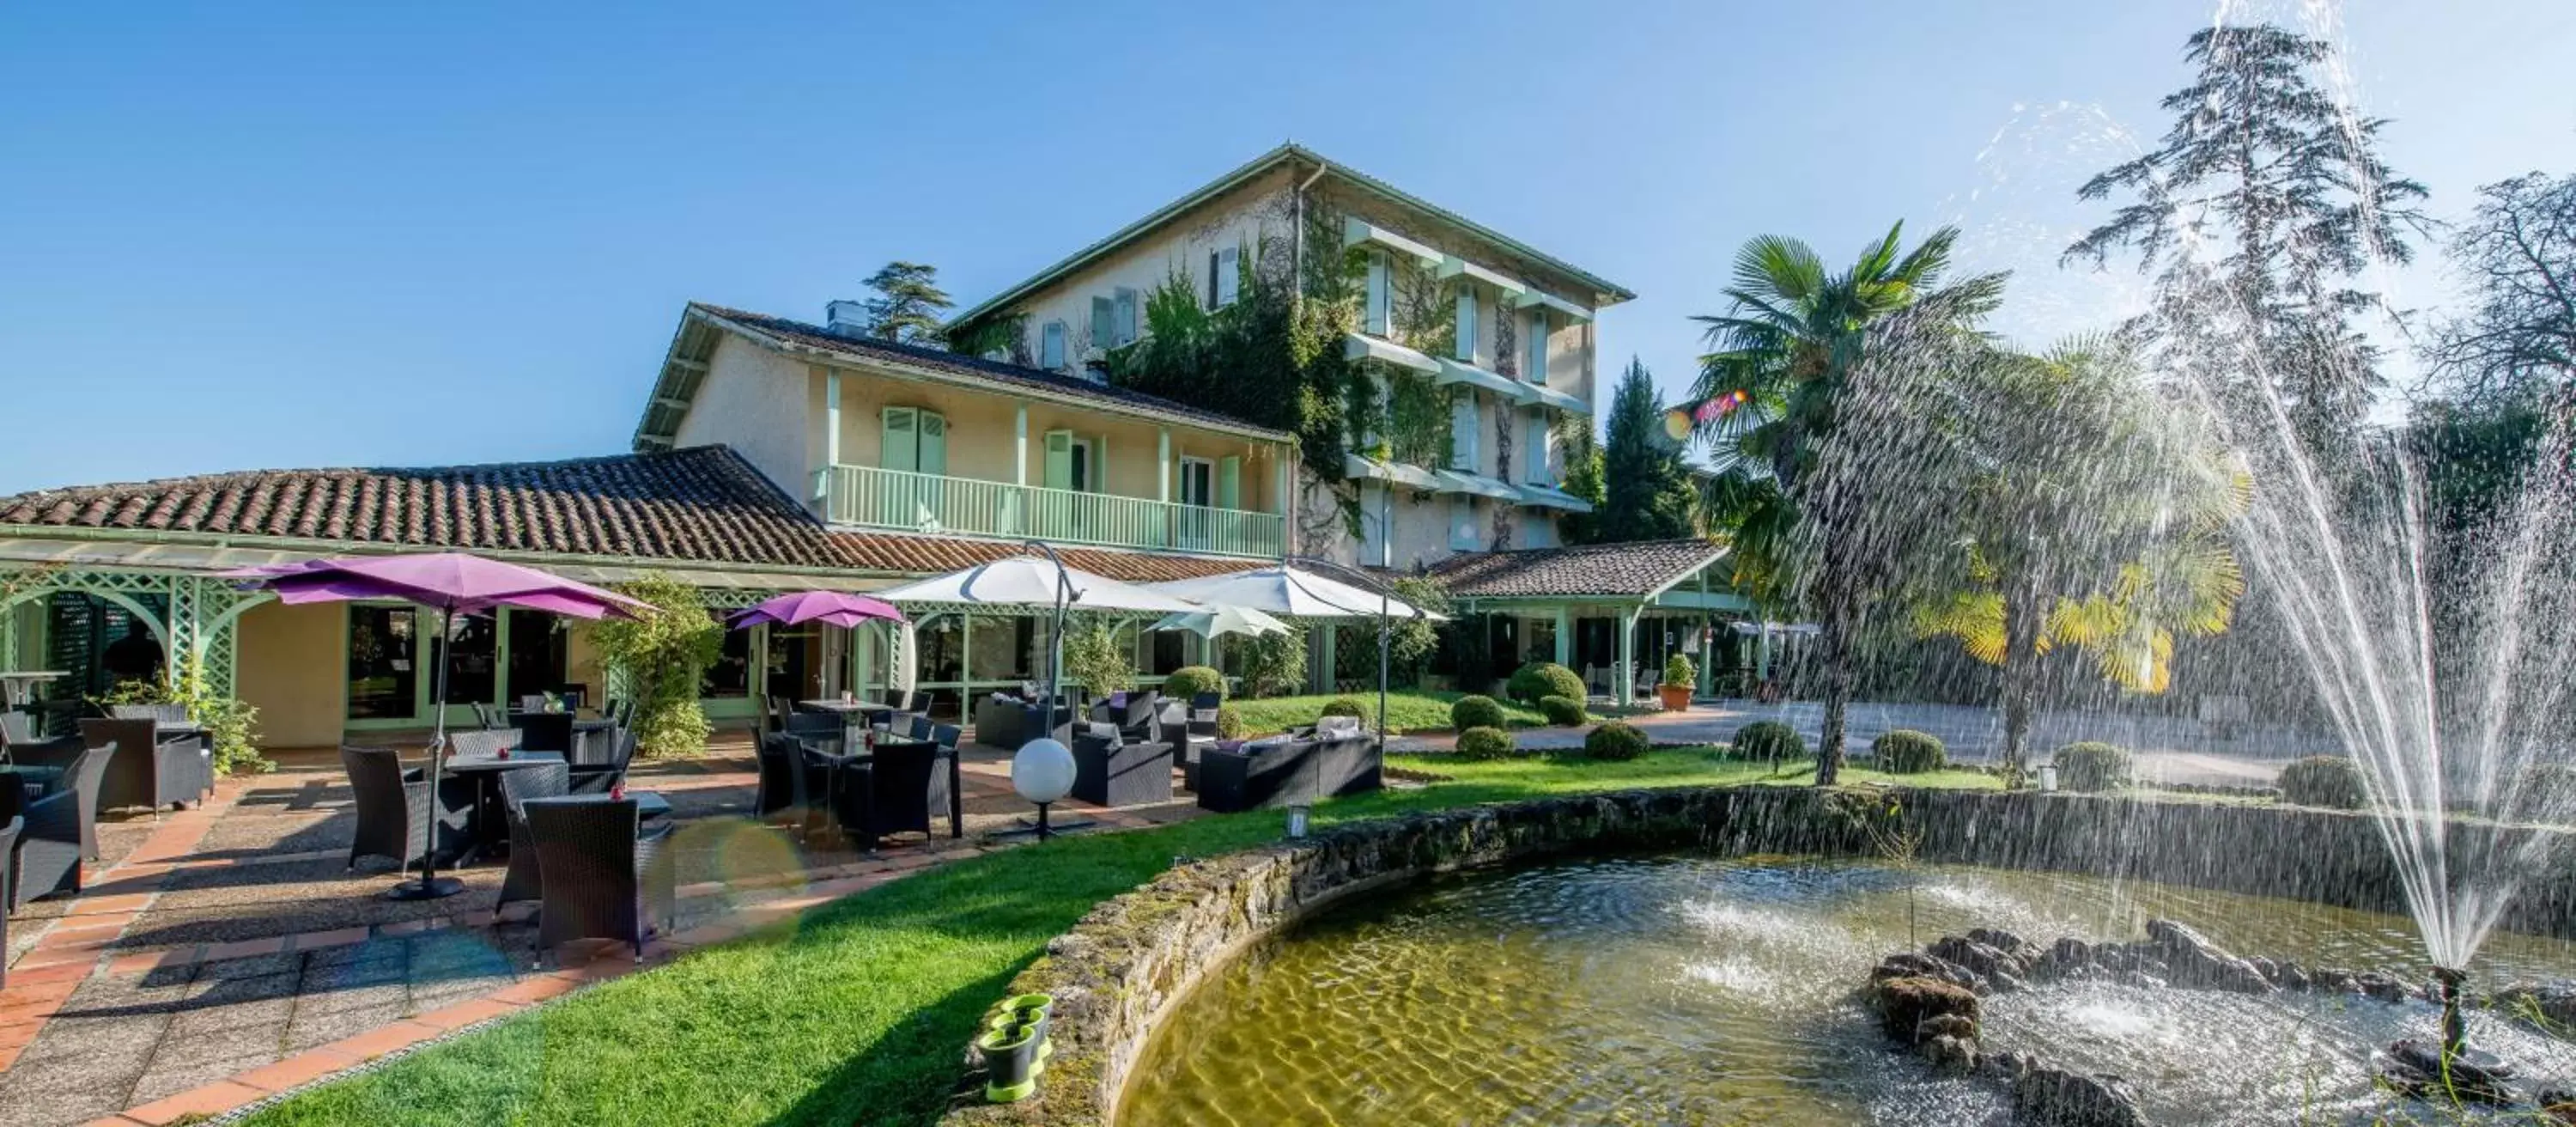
(221, 955)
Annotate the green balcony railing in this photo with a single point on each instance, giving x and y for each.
(866, 497)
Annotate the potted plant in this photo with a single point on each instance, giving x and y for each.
(1679, 680)
(1010, 1054)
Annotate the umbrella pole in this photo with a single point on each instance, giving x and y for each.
(432, 886)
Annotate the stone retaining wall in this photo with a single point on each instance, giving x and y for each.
(1127, 963)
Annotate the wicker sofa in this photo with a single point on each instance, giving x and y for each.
(1004, 723)
(1292, 770)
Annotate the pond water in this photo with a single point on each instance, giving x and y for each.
(1724, 991)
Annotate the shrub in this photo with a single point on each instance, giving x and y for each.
(1908, 752)
(1475, 712)
(1229, 722)
(1539, 680)
(2091, 766)
(1768, 740)
(663, 654)
(1617, 740)
(1678, 672)
(1191, 680)
(1094, 657)
(1345, 706)
(1564, 712)
(2324, 780)
(1485, 743)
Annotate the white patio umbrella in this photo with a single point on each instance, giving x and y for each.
(1028, 581)
(1222, 620)
(1291, 591)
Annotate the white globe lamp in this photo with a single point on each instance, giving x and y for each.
(1042, 772)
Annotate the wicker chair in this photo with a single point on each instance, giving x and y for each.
(485, 719)
(483, 744)
(58, 831)
(600, 778)
(9, 828)
(602, 879)
(393, 807)
(146, 771)
(518, 787)
(544, 731)
(16, 728)
(785, 779)
(906, 785)
(1109, 772)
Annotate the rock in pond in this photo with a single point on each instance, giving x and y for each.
(2054, 1097)
(1905, 1004)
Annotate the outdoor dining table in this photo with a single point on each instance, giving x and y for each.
(873, 711)
(16, 689)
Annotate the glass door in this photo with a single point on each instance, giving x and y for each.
(383, 670)
(536, 654)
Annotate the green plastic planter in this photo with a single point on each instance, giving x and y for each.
(1011, 1057)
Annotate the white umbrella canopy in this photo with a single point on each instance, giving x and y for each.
(1027, 581)
(1222, 620)
(1289, 591)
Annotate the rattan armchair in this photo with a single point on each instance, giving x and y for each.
(9, 827)
(146, 770)
(602, 880)
(483, 744)
(57, 830)
(544, 731)
(394, 806)
(603, 777)
(518, 788)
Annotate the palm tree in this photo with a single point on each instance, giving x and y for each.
(1790, 361)
(2095, 518)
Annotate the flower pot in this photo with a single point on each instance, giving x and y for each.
(1676, 698)
(1011, 1063)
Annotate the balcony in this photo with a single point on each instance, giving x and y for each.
(865, 497)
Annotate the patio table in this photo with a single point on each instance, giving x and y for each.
(482, 773)
(649, 806)
(16, 689)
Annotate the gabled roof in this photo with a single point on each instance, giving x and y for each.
(685, 364)
(1635, 570)
(704, 503)
(1604, 291)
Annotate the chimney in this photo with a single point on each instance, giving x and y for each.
(846, 318)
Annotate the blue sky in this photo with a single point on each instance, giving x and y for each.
(241, 235)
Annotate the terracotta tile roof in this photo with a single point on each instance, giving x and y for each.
(1612, 570)
(938, 555)
(1009, 375)
(703, 503)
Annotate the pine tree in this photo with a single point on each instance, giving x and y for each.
(1646, 488)
(908, 303)
(2286, 189)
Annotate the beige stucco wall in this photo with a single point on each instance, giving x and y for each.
(293, 666)
(1240, 219)
(759, 402)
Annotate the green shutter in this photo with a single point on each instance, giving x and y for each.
(1229, 483)
(1104, 332)
(901, 445)
(934, 444)
(1059, 459)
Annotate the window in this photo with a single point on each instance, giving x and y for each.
(1381, 298)
(914, 440)
(1538, 449)
(1536, 365)
(382, 674)
(1198, 482)
(1462, 523)
(1465, 349)
(1225, 278)
(1462, 430)
(1051, 346)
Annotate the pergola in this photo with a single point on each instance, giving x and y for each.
(1628, 583)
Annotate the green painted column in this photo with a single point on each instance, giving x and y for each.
(1564, 636)
(1324, 667)
(1624, 681)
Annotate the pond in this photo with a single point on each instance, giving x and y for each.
(1706, 990)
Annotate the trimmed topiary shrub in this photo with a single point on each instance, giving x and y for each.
(2324, 780)
(1229, 722)
(1908, 752)
(1539, 680)
(2092, 766)
(1191, 680)
(1618, 741)
(1475, 712)
(1345, 706)
(1485, 743)
(1564, 712)
(1768, 740)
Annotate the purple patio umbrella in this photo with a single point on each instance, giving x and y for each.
(451, 583)
(832, 608)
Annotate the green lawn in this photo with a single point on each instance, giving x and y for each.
(1406, 711)
(858, 1011)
